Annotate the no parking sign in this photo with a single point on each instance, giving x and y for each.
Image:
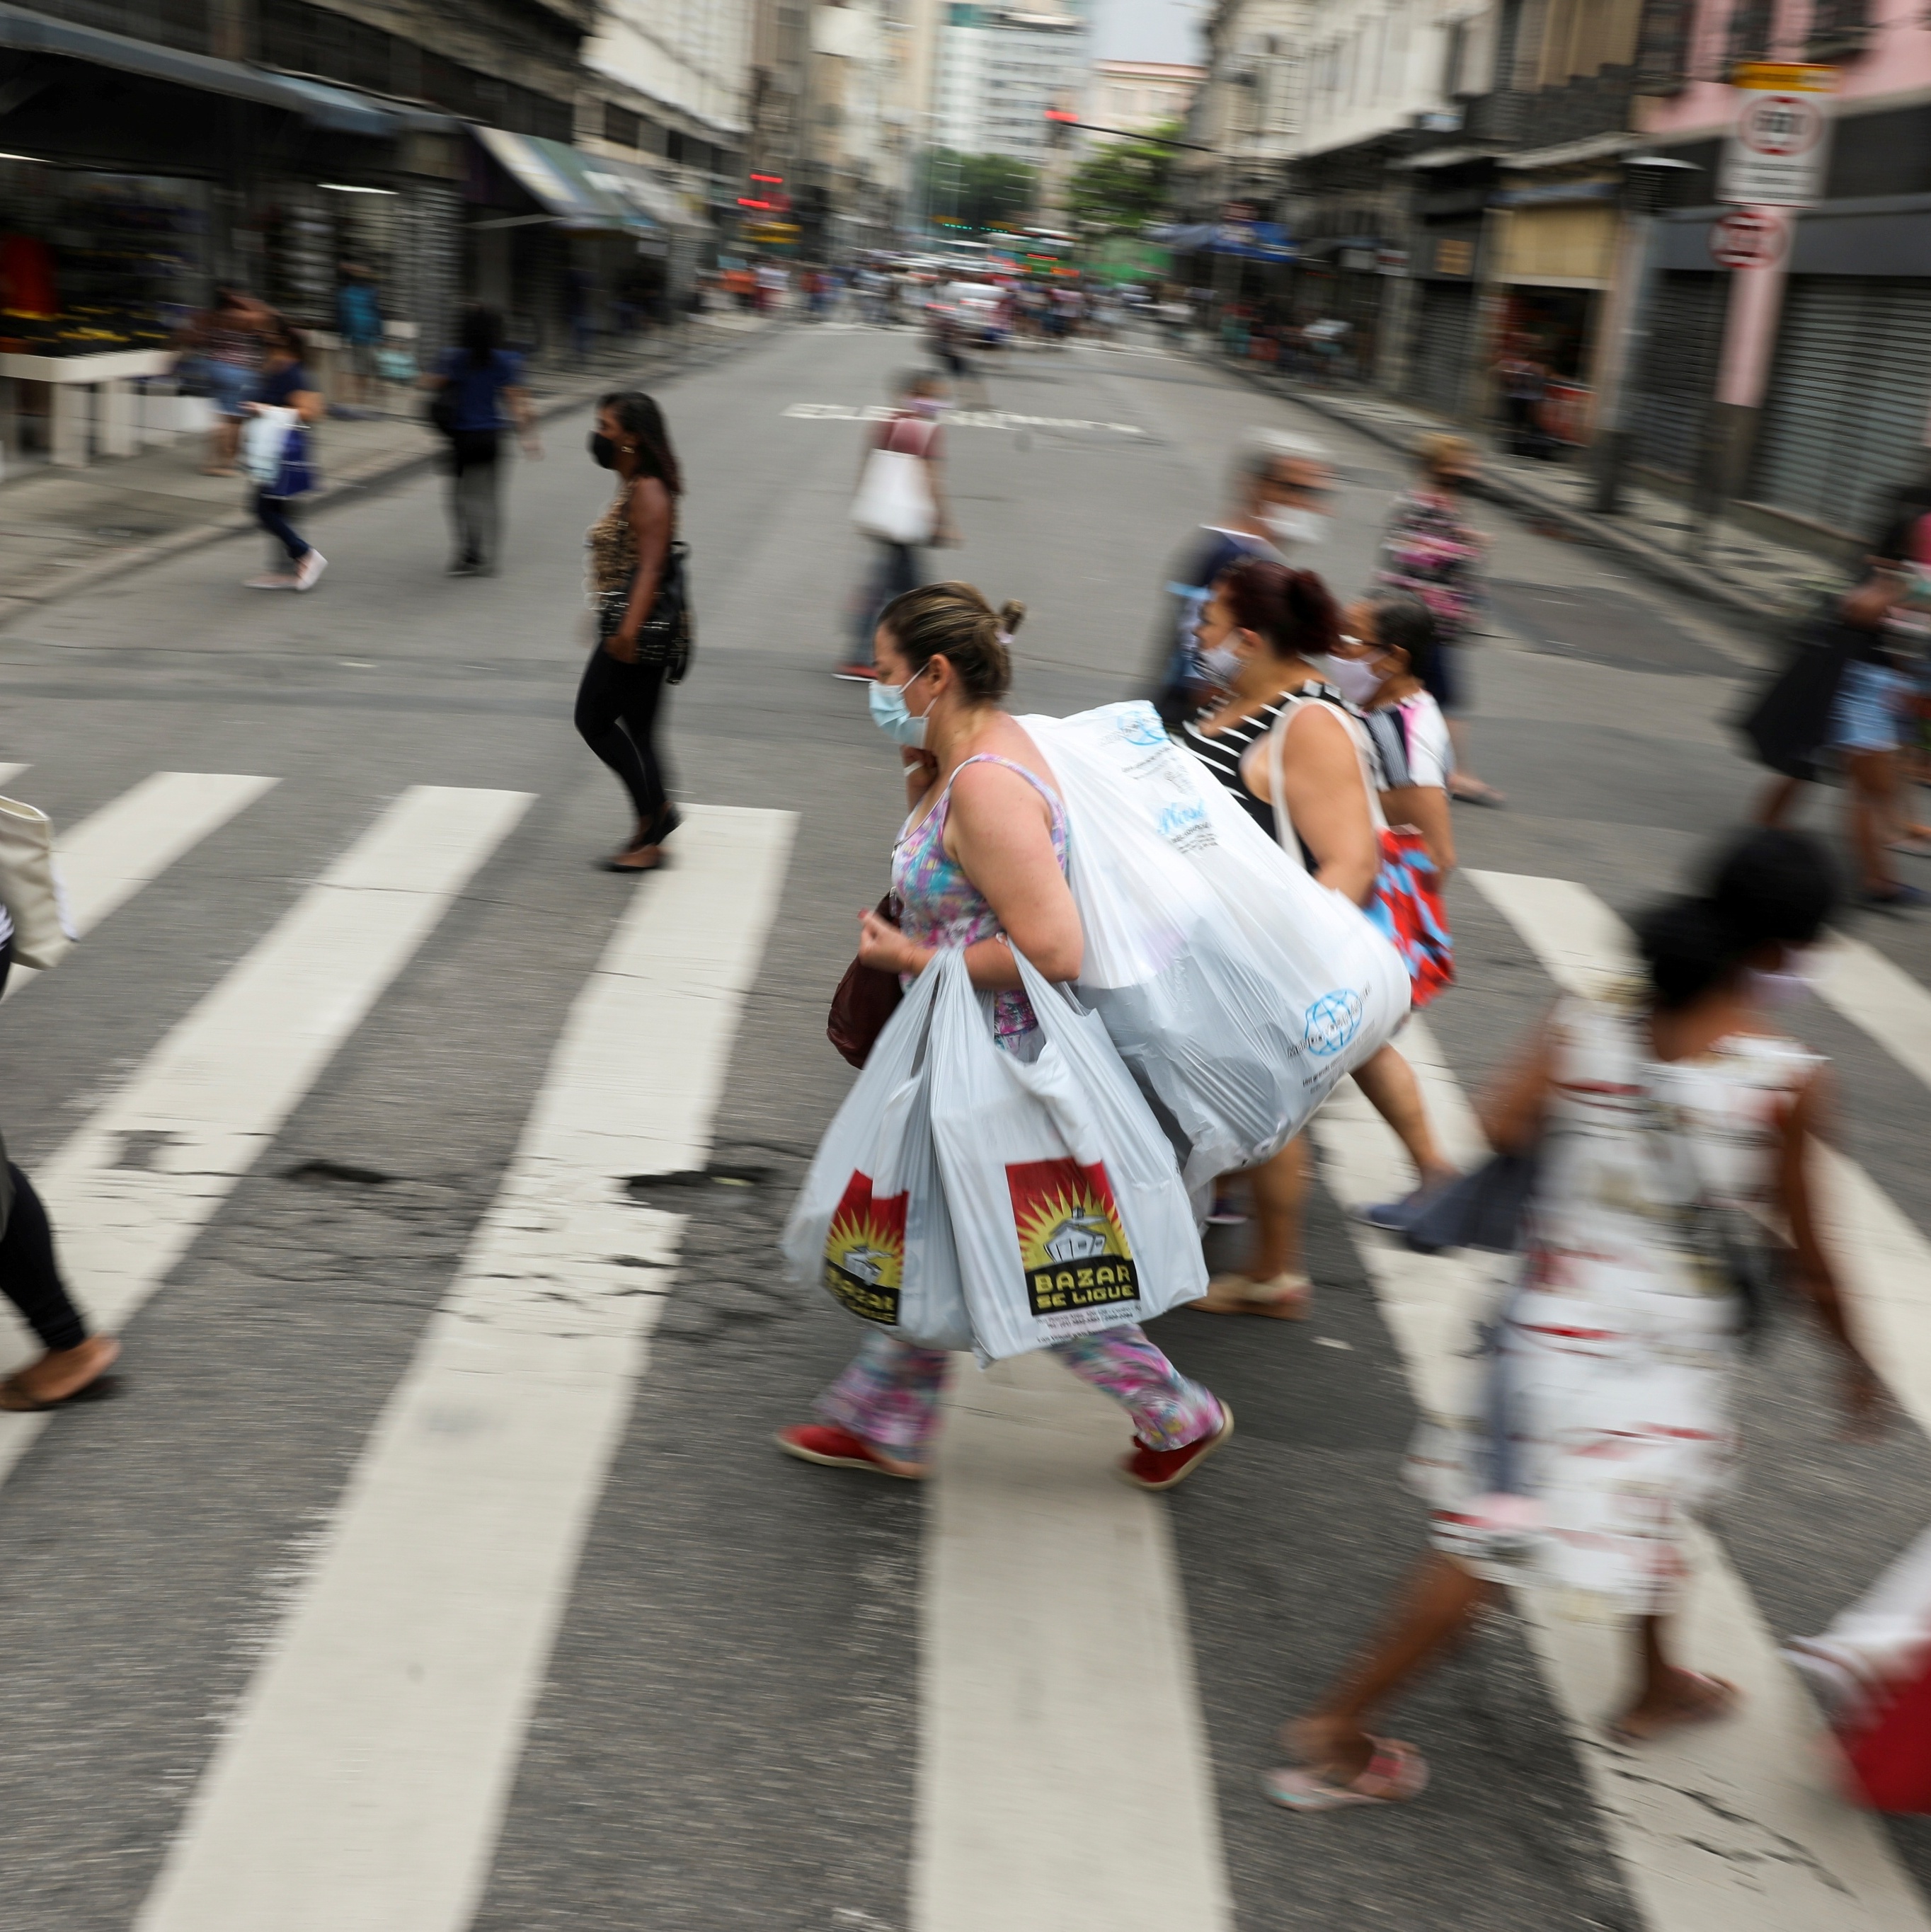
(1774, 157)
(1747, 238)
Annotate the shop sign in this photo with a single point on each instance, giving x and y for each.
(1359, 261)
(1748, 238)
(1455, 258)
(1774, 155)
(1391, 261)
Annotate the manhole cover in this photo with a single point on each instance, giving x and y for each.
(1605, 627)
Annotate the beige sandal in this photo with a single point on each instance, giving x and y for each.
(1286, 1297)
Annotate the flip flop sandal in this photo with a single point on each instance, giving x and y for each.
(14, 1400)
(1723, 1704)
(1396, 1773)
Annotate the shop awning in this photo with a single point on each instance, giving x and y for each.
(339, 109)
(1253, 241)
(575, 191)
(651, 194)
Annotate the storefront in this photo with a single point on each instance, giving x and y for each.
(1676, 384)
(1439, 366)
(1846, 413)
(1556, 251)
(137, 178)
(587, 260)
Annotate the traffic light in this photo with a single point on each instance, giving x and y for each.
(1060, 122)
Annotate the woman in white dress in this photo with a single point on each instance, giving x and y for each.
(1597, 1422)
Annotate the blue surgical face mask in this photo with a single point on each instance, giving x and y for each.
(889, 713)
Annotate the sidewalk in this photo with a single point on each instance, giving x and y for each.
(62, 530)
(1762, 583)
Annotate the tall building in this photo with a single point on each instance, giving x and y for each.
(999, 69)
(1137, 97)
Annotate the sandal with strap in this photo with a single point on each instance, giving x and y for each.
(1720, 1701)
(1286, 1297)
(1396, 1773)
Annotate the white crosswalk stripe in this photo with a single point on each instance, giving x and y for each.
(107, 859)
(213, 1094)
(364, 1780)
(1738, 1826)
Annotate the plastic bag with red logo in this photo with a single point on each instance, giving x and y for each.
(870, 1223)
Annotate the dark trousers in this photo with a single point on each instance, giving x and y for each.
(272, 513)
(616, 717)
(29, 1278)
(896, 569)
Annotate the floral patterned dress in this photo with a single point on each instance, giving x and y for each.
(1431, 550)
(1602, 1395)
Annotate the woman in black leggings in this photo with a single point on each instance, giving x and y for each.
(75, 1365)
(617, 703)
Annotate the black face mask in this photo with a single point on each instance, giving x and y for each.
(603, 450)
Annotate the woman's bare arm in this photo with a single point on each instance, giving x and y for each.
(1426, 809)
(1326, 798)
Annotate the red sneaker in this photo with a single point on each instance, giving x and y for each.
(1162, 1468)
(839, 1449)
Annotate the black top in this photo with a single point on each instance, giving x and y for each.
(1221, 752)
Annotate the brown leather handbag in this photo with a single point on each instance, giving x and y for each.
(867, 997)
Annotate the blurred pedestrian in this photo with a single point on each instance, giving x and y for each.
(73, 1365)
(1881, 1642)
(900, 508)
(1599, 1424)
(282, 383)
(1264, 637)
(485, 397)
(1845, 691)
(618, 702)
(222, 349)
(981, 862)
(359, 323)
(1280, 491)
(1430, 548)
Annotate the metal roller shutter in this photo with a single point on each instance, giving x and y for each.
(1844, 421)
(1679, 374)
(1439, 375)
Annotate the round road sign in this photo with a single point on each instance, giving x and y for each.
(1782, 125)
(1747, 237)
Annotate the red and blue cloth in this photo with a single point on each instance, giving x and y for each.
(1407, 909)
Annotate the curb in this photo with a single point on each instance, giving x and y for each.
(1705, 582)
(379, 475)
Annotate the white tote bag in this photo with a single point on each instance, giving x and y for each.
(30, 886)
(1068, 1214)
(895, 502)
(263, 436)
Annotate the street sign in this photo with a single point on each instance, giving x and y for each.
(1748, 238)
(1774, 156)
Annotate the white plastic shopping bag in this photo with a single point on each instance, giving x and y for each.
(870, 1223)
(895, 501)
(1068, 1212)
(30, 886)
(264, 436)
(1238, 989)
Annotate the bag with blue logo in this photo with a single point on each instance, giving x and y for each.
(1239, 991)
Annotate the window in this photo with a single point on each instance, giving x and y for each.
(621, 128)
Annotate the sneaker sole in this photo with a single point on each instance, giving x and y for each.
(824, 1462)
(1218, 1440)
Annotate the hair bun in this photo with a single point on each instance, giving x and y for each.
(1012, 615)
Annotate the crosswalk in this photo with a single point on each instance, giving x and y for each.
(364, 1776)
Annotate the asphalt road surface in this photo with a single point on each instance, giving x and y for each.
(436, 1570)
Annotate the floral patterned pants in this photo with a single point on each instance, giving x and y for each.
(888, 1396)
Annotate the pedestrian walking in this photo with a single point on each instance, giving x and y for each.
(481, 394)
(980, 866)
(1431, 549)
(1597, 1423)
(1264, 637)
(1847, 689)
(284, 383)
(629, 545)
(221, 350)
(359, 323)
(901, 507)
(73, 1365)
(1280, 490)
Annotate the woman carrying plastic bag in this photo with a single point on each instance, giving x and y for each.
(982, 857)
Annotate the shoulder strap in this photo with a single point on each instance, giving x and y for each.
(1283, 825)
(1032, 778)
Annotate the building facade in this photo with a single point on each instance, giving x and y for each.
(999, 69)
(1137, 97)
